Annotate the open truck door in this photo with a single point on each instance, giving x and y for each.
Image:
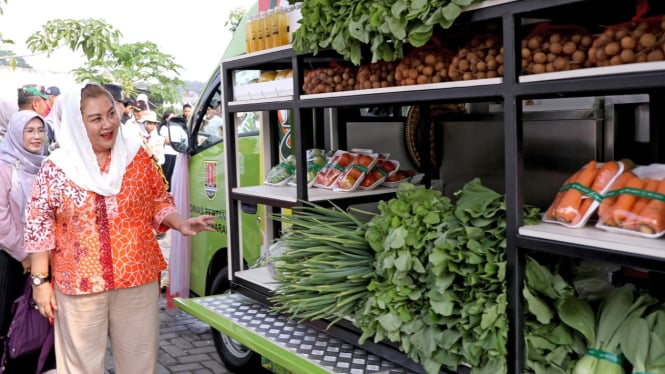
(203, 145)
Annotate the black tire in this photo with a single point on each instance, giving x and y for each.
(236, 357)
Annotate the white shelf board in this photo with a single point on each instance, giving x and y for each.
(259, 276)
(257, 53)
(261, 101)
(591, 236)
(404, 89)
(486, 4)
(288, 193)
(595, 71)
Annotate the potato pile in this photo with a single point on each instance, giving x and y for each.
(424, 65)
(639, 41)
(330, 79)
(481, 58)
(550, 49)
(376, 75)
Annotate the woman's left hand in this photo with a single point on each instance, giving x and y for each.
(195, 225)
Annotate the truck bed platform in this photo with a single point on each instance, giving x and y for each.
(292, 345)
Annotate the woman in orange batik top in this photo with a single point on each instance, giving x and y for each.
(96, 204)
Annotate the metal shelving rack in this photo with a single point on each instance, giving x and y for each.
(511, 90)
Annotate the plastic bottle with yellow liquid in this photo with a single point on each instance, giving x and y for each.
(250, 36)
(259, 27)
(282, 26)
(267, 29)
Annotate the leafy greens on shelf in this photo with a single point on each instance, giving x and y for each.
(346, 25)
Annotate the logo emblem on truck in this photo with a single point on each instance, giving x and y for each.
(210, 179)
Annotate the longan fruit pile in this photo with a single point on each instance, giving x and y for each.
(331, 79)
(424, 65)
(481, 58)
(376, 75)
(558, 51)
(640, 41)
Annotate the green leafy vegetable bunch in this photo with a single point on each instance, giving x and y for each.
(403, 236)
(552, 347)
(347, 25)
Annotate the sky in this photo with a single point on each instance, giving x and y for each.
(193, 31)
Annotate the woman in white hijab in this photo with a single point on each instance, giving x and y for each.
(97, 202)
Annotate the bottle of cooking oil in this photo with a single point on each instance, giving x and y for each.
(274, 28)
(260, 31)
(250, 37)
(282, 26)
(267, 28)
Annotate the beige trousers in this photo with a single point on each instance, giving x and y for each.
(129, 316)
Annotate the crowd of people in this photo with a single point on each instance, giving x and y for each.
(84, 195)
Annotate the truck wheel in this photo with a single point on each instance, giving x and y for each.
(235, 356)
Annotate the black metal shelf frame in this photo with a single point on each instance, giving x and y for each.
(510, 91)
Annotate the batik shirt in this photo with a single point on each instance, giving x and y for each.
(99, 243)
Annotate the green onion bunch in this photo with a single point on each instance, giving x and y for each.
(327, 266)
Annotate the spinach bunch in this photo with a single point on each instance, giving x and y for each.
(552, 347)
(467, 288)
(347, 25)
(439, 287)
(402, 236)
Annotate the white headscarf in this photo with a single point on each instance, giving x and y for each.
(76, 157)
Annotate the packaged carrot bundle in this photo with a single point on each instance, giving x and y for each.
(635, 203)
(581, 193)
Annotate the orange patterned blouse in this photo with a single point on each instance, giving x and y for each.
(99, 243)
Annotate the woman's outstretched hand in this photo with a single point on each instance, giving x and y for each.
(195, 225)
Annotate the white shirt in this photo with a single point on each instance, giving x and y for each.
(154, 145)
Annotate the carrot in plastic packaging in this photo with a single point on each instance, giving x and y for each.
(632, 221)
(603, 178)
(568, 209)
(557, 199)
(605, 207)
(652, 217)
(621, 209)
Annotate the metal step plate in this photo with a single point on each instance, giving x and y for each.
(326, 351)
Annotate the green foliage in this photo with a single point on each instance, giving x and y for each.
(234, 18)
(347, 25)
(8, 58)
(108, 61)
(91, 36)
(133, 64)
